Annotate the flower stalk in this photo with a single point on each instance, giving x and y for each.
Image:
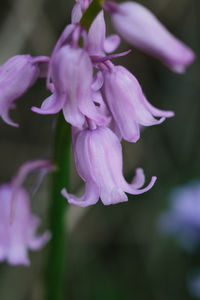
(58, 208)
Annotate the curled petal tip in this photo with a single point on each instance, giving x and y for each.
(64, 193)
(148, 187)
(73, 199)
(42, 111)
(153, 179)
(16, 125)
(152, 182)
(90, 196)
(10, 122)
(37, 110)
(139, 179)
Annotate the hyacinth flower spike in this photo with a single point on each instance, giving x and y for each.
(17, 224)
(98, 158)
(127, 103)
(139, 27)
(17, 75)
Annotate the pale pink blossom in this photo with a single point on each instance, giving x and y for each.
(139, 27)
(98, 158)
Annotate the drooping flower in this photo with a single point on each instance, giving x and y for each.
(139, 27)
(98, 158)
(182, 220)
(18, 225)
(17, 75)
(69, 79)
(127, 103)
(71, 73)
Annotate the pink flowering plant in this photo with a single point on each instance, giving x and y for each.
(100, 102)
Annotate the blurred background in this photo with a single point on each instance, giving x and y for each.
(115, 252)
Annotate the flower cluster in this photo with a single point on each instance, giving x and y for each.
(182, 220)
(104, 103)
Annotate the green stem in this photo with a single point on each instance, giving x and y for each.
(56, 256)
(90, 14)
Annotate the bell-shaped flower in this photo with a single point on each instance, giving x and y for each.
(98, 158)
(17, 75)
(127, 103)
(18, 225)
(20, 235)
(71, 73)
(139, 27)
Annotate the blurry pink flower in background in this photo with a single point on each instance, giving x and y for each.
(18, 225)
(17, 75)
(140, 28)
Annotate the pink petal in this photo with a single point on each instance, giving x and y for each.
(76, 13)
(90, 196)
(139, 179)
(6, 118)
(113, 196)
(96, 35)
(111, 43)
(129, 188)
(73, 115)
(97, 81)
(51, 105)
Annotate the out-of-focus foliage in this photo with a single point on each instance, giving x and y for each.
(113, 252)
